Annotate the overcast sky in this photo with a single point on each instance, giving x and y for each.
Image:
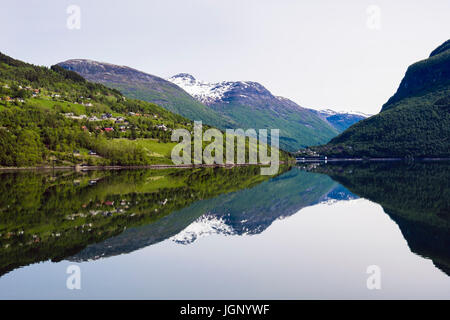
(343, 55)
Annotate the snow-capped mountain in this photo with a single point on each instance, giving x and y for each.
(329, 112)
(249, 104)
(212, 94)
(341, 120)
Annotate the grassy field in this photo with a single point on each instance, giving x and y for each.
(49, 104)
(157, 151)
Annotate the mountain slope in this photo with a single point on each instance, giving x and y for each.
(250, 105)
(414, 122)
(429, 76)
(139, 85)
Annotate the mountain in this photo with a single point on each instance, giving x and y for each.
(139, 85)
(414, 122)
(342, 120)
(250, 105)
(212, 94)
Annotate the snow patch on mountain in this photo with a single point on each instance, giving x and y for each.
(204, 226)
(329, 112)
(204, 92)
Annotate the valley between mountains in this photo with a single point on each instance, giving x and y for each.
(227, 104)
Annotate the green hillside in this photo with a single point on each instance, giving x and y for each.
(415, 122)
(298, 127)
(56, 115)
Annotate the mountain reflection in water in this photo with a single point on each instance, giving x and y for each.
(247, 211)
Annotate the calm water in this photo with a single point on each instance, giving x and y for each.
(308, 233)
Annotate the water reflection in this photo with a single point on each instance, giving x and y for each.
(247, 211)
(416, 196)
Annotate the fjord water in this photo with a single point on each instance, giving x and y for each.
(308, 233)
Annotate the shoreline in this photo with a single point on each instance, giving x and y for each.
(150, 166)
(193, 166)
